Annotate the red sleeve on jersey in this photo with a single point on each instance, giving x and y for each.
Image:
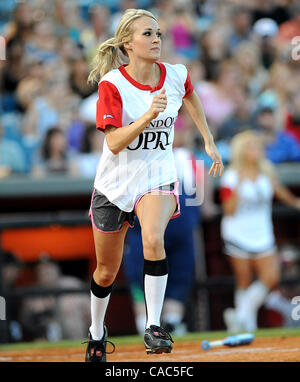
(225, 193)
(109, 106)
(188, 86)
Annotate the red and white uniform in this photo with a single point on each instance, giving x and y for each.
(147, 162)
(250, 227)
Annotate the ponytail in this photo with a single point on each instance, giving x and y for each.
(108, 57)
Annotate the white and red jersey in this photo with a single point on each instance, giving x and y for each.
(250, 227)
(147, 162)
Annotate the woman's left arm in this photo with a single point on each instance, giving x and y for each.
(284, 194)
(195, 109)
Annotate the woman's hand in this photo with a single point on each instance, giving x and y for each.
(159, 104)
(217, 165)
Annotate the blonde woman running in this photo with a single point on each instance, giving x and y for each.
(137, 107)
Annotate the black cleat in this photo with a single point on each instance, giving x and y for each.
(157, 340)
(96, 350)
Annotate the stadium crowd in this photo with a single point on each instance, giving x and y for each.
(241, 56)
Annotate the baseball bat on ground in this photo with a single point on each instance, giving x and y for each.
(237, 340)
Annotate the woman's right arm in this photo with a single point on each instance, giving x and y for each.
(118, 138)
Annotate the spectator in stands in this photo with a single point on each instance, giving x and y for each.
(97, 32)
(66, 20)
(183, 33)
(276, 10)
(242, 117)
(56, 106)
(12, 72)
(254, 76)
(241, 27)
(239, 121)
(214, 51)
(281, 146)
(12, 159)
(78, 78)
(247, 190)
(290, 28)
(85, 163)
(54, 157)
(32, 85)
(196, 70)
(54, 318)
(21, 26)
(292, 122)
(41, 115)
(46, 110)
(43, 44)
(277, 89)
(216, 96)
(265, 32)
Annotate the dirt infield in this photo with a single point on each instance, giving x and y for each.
(280, 349)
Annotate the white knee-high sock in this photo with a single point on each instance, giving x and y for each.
(155, 282)
(155, 287)
(279, 303)
(256, 294)
(239, 295)
(99, 301)
(251, 301)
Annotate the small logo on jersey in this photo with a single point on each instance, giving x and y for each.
(107, 116)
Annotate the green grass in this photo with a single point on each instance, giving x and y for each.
(132, 340)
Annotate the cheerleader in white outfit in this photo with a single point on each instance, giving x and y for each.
(247, 190)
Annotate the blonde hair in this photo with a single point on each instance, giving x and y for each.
(237, 148)
(109, 53)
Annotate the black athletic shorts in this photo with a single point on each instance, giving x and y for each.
(107, 217)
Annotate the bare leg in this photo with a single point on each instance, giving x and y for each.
(242, 269)
(154, 213)
(109, 252)
(243, 272)
(267, 270)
